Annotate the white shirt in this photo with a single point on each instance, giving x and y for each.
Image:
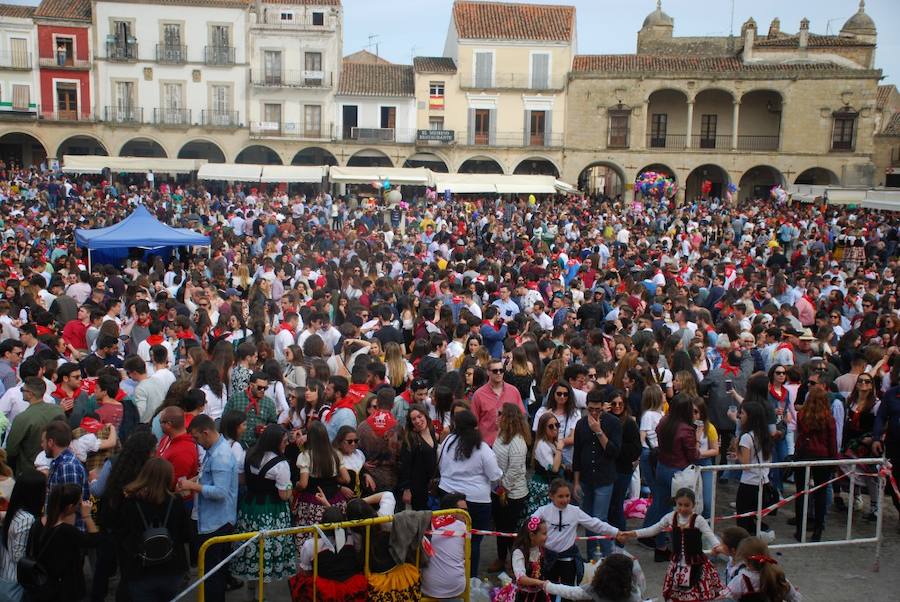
(666, 521)
(215, 404)
(563, 523)
(649, 421)
(12, 403)
(283, 340)
(445, 575)
(472, 476)
(737, 587)
(566, 428)
(753, 476)
(165, 375)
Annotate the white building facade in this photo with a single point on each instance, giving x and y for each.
(18, 61)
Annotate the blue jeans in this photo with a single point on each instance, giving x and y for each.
(662, 499)
(595, 501)
(151, 589)
(779, 453)
(646, 470)
(481, 519)
(617, 501)
(707, 486)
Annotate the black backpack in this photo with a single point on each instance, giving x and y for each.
(157, 544)
(30, 573)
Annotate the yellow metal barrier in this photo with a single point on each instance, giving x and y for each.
(313, 530)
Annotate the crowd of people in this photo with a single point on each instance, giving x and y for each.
(540, 363)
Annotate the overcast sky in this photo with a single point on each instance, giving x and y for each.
(406, 28)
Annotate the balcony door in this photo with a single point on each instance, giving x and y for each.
(272, 67)
(708, 131)
(67, 100)
(124, 107)
(173, 103)
(312, 67)
(272, 117)
(350, 119)
(537, 128)
(19, 51)
(312, 121)
(220, 105)
(172, 44)
(482, 126)
(658, 126)
(219, 52)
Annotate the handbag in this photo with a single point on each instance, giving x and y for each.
(31, 574)
(434, 489)
(690, 478)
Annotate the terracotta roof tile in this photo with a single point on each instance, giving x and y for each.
(893, 126)
(627, 63)
(69, 10)
(364, 56)
(365, 79)
(815, 41)
(17, 11)
(881, 98)
(199, 3)
(434, 64)
(305, 2)
(498, 21)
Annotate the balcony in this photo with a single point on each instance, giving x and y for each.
(171, 54)
(288, 129)
(514, 81)
(70, 63)
(373, 134)
(309, 22)
(68, 116)
(124, 115)
(292, 79)
(180, 118)
(758, 143)
(20, 61)
(515, 140)
(29, 113)
(218, 56)
(220, 119)
(435, 137)
(121, 51)
(719, 142)
(674, 141)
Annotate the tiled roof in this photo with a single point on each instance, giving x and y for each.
(814, 41)
(69, 10)
(626, 63)
(305, 2)
(363, 79)
(364, 56)
(16, 11)
(434, 64)
(199, 3)
(893, 126)
(498, 21)
(881, 98)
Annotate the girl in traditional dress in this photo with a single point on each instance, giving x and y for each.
(527, 563)
(320, 472)
(691, 576)
(547, 461)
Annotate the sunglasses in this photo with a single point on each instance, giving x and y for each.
(553, 426)
(562, 393)
(351, 441)
(617, 404)
(498, 370)
(780, 373)
(864, 381)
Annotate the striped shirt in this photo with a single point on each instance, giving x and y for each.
(17, 541)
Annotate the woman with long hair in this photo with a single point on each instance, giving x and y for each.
(862, 406)
(208, 378)
(265, 507)
(418, 459)
(546, 461)
(634, 383)
(520, 374)
(26, 504)
(779, 411)
(294, 367)
(149, 500)
(652, 410)
(677, 449)
(468, 466)
(708, 438)
(399, 370)
(276, 389)
(561, 403)
(353, 460)
(320, 475)
(62, 543)
(511, 451)
(628, 458)
(815, 441)
(754, 447)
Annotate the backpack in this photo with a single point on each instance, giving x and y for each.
(30, 573)
(156, 545)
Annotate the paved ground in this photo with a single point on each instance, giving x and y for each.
(822, 574)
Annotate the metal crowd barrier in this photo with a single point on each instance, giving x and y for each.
(804, 490)
(259, 537)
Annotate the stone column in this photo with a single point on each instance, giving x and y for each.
(735, 116)
(690, 124)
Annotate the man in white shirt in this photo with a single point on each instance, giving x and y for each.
(149, 393)
(540, 314)
(508, 308)
(13, 403)
(162, 359)
(286, 334)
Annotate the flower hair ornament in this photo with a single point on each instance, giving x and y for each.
(533, 523)
(763, 559)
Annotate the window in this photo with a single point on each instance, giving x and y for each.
(220, 105)
(21, 97)
(708, 131)
(66, 100)
(658, 130)
(318, 18)
(312, 121)
(537, 128)
(65, 51)
(19, 53)
(287, 15)
(173, 104)
(350, 119)
(482, 126)
(124, 109)
(842, 134)
(272, 67)
(171, 50)
(540, 71)
(618, 128)
(313, 69)
(220, 36)
(435, 123)
(436, 88)
(271, 117)
(388, 118)
(436, 96)
(123, 47)
(219, 51)
(484, 70)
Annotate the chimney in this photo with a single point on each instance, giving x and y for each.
(748, 32)
(803, 36)
(259, 11)
(775, 29)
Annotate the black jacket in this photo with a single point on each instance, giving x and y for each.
(631, 447)
(595, 464)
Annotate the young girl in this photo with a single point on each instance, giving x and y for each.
(527, 564)
(617, 579)
(691, 576)
(340, 575)
(563, 562)
(760, 579)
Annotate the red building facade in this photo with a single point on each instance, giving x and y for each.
(64, 57)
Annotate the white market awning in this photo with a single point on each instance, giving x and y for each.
(463, 183)
(565, 187)
(94, 164)
(353, 175)
(293, 173)
(846, 196)
(526, 184)
(884, 200)
(230, 172)
(416, 176)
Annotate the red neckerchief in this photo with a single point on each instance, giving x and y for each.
(439, 522)
(60, 393)
(185, 334)
(253, 403)
(144, 323)
(730, 370)
(285, 326)
(155, 339)
(381, 422)
(780, 397)
(43, 330)
(810, 301)
(491, 324)
(346, 402)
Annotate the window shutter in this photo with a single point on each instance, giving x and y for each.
(540, 71)
(492, 138)
(527, 128)
(471, 129)
(483, 69)
(21, 97)
(548, 127)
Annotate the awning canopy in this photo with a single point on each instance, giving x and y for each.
(846, 196)
(94, 164)
(293, 173)
(525, 184)
(140, 229)
(416, 176)
(885, 200)
(565, 187)
(230, 172)
(464, 183)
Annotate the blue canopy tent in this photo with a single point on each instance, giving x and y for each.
(140, 229)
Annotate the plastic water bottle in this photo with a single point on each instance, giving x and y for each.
(598, 556)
